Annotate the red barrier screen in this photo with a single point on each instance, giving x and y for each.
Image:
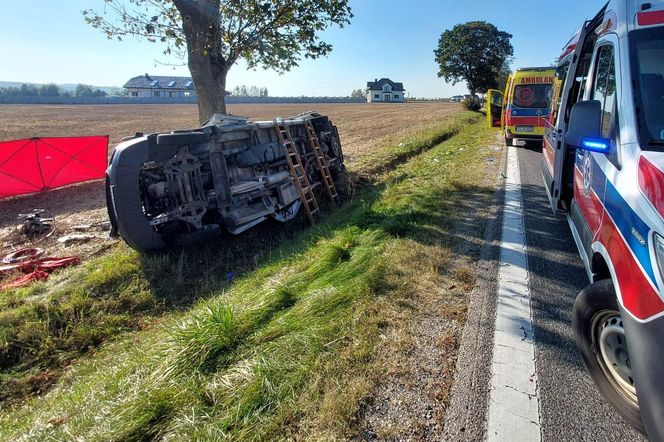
(38, 164)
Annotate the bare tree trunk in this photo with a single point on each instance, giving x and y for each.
(208, 67)
(210, 87)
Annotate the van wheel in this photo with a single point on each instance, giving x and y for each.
(600, 338)
(509, 141)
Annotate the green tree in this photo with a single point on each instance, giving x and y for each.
(49, 90)
(83, 90)
(357, 93)
(473, 52)
(503, 76)
(28, 90)
(10, 92)
(215, 34)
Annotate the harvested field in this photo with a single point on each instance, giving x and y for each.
(361, 126)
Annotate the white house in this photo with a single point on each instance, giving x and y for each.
(160, 86)
(385, 91)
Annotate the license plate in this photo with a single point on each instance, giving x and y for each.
(524, 128)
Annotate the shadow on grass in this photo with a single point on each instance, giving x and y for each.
(432, 220)
(182, 276)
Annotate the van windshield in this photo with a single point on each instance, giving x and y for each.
(532, 95)
(647, 48)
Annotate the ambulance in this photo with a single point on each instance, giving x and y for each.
(525, 104)
(603, 168)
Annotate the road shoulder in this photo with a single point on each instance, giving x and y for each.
(466, 414)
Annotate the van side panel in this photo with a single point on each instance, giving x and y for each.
(549, 157)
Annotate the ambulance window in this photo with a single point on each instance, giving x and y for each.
(558, 83)
(604, 89)
(577, 89)
(647, 63)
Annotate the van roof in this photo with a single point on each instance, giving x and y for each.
(540, 68)
(622, 16)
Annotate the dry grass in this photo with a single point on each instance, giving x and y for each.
(361, 126)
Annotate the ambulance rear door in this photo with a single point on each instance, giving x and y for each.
(494, 107)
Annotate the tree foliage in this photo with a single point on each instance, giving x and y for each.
(503, 76)
(357, 93)
(474, 52)
(84, 90)
(26, 90)
(33, 90)
(49, 90)
(215, 34)
(472, 104)
(251, 91)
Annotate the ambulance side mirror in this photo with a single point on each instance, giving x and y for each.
(584, 127)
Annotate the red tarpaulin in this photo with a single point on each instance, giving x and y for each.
(37, 164)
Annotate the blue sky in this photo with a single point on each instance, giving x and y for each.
(48, 41)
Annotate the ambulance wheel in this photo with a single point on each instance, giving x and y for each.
(509, 141)
(600, 338)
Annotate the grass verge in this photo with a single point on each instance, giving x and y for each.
(45, 327)
(288, 350)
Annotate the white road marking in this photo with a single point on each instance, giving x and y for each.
(513, 401)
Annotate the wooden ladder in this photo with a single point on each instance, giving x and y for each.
(314, 144)
(297, 170)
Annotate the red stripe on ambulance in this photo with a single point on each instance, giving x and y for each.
(638, 295)
(651, 183)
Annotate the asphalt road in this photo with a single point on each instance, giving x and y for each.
(570, 406)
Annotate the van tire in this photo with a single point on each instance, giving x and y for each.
(593, 304)
(509, 141)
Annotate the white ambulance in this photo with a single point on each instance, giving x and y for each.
(603, 167)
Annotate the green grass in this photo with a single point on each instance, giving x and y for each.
(288, 350)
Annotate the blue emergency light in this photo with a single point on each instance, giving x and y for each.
(600, 145)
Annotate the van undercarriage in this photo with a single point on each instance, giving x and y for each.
(172, 189)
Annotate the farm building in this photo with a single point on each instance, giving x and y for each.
(385, 91)
(160, 86)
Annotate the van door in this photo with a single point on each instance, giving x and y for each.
(550, 131)
(494, 107)
(592, 168)
(564, 158)
(508, 85)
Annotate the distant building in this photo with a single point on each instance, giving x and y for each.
(460, 98)
(160, 86)
(385, 91)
